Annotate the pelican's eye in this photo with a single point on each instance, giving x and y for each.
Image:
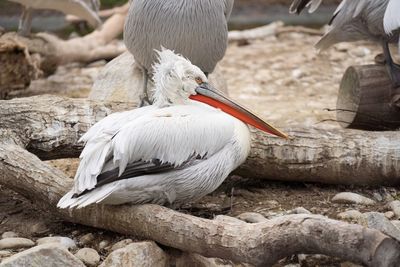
(198, 80)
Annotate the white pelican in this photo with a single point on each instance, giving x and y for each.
(354, 20)
(176, 150)
(196, 29)
(86, 9)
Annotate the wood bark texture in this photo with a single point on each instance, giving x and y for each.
(18, 67)
(367, 99)
(50, 126)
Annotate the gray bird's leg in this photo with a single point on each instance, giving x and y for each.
(393, 68)
(25, 22)
(144, 96)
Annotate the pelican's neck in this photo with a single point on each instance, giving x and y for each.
(169, 94)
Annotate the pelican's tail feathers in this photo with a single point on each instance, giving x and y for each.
(95, 196)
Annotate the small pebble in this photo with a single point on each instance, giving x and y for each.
(352, 198)
(228, 219)
(350, 215)
(66, 242)
(121, 244)
(88, 256)
(103, 244)
(360, 52)
(378, 197)
(389, 214)
(252, 217)
(16, 243)
(299, 210)
(395, 207)
(86, 239)
(8, 235)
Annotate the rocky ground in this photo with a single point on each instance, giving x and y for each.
(285, 81)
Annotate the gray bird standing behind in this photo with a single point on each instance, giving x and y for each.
(196, 29)
(354, 20)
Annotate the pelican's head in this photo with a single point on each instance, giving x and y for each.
(175, 78)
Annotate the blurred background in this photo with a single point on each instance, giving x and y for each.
(246, 14)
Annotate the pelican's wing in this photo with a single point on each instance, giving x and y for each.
(228, 8)
(97, 150)
(79, 8)
(160, 140)
(298, 5)
(391, 20)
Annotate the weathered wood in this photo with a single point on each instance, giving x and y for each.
(261, 244)
(48, 51)
(17, 66)
(51, 126)
(367, 99)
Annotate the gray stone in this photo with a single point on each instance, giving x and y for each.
(44, 255)
(228, 219)
(352, 198)
(86, 239)
(396, 223)
(121, 244)
(88, 256)
(66, 242)
(103, 244)
(395, 207)
(252, 217)
(350, 215)
(15, 243)
(8, 235)
(389, 215)
(378, 221)
(39, 229)
(299, 210)
(137, 254)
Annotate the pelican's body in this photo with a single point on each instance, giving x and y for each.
(85, 9)
(202, 144)
(354, 20)
(196, 29)
(174, 151)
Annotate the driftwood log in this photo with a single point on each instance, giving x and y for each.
(48, 52)
(367, 99)
(313, 155)
(49, 127)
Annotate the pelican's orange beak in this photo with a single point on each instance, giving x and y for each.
(217, 99)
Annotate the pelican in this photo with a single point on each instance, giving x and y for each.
(86, 9)
(176, 150)
(354, 20)
(196, 29)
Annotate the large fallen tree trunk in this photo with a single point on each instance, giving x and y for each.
(51, 126)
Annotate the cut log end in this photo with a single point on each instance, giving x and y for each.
(367, 99)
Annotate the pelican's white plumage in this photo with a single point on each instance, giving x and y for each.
(190, 147)
(391, 20)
